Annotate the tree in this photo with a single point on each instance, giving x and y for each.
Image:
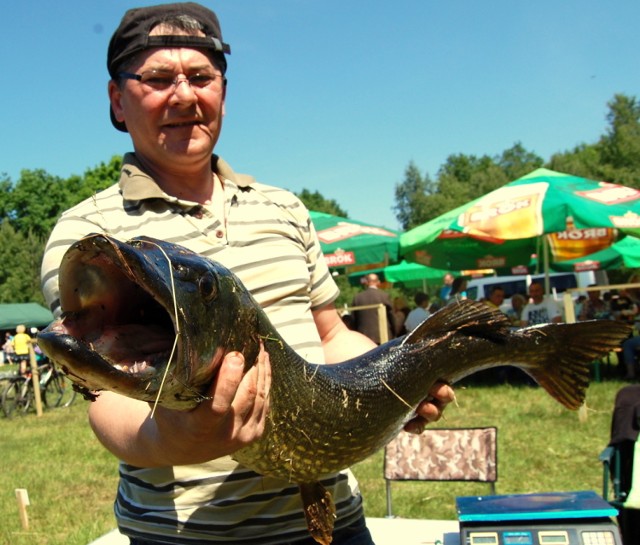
(94, 180)
(34, 203)
(584, 160)
(517, 161)
(412, 193)
(315, 201)
(20, 258)
(616, 156)
(620, 146)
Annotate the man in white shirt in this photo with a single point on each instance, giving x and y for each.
(418, 314)
(540, 310)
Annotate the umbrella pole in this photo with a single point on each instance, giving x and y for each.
(545, 262)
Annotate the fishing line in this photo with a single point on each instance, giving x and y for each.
(175, 341)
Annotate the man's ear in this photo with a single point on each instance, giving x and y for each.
(115, 97)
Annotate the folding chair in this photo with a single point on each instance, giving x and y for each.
(444, 454)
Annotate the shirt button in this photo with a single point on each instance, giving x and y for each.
(220, 233)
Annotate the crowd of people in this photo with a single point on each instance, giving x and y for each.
(522, 310)
(15, 348)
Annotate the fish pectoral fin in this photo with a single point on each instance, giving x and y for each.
(319, 510)
(473, 318)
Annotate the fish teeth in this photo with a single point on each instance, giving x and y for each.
(138, 368)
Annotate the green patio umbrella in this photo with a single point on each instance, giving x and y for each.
(412, 275)
(624, 253)
(505, 227)
(354, 244)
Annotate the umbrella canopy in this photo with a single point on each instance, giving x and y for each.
(348, 243)
(412, 275)
(28, 314)
(504, 228)
(624, 253)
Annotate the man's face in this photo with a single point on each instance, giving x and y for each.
(175, 129)
(536, 292)
(497, 297)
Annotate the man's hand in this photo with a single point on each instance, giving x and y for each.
(233, 416)
(431, 409)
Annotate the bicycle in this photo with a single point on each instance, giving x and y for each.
(56, 390)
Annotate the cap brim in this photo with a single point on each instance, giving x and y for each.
(117, 124)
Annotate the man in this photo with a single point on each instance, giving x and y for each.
(630, 349)
(177, 482)
(496, 297)
(418, 314)
(594, 307)
(366, 321)
(21, 341)
(445, 290)
(540, 310)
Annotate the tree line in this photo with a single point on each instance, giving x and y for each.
(30, 206)
(615, 158)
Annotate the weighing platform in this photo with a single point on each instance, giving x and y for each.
(558, 518)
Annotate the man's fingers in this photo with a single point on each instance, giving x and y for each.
(259, 396)
(431, 409)
(227, 382)
(443, 393)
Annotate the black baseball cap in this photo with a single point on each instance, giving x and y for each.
(132, 36)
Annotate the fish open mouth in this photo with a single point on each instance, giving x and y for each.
(112, 313)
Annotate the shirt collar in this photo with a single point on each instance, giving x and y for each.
(137, 185)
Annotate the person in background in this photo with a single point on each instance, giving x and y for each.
(178, 482)
(400, 312)
(21, 341)
(418, 314)
(366, 320)
(624, 307)
(458, 289)
(540, 310)
(579, 304)
(518, 301)
(594, 308)
(496, 297)
(630, 350)
(445, 290)
(7, 349)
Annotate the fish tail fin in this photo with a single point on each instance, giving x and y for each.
(472, 317)
(565, 374)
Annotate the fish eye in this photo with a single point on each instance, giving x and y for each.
(208, 286)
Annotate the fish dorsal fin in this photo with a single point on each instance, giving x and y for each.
(470, 317)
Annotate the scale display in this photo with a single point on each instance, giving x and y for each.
(564, 518)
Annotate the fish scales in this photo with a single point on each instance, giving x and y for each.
(126, 303)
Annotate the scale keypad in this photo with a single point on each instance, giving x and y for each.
(598, 538)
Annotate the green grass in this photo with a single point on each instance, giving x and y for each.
(71, 479)
(542, 447)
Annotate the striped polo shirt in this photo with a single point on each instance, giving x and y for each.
(266, 237)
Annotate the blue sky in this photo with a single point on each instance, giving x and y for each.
(337, 95)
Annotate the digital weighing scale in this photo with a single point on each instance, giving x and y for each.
(558, 518)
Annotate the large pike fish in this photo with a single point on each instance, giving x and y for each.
(125, 304)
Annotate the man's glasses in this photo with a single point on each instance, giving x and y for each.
(166, 82)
